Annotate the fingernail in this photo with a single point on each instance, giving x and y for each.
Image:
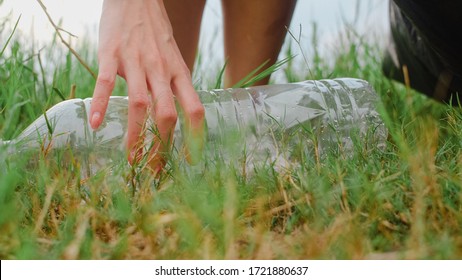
(135, 155)
(95, 120)
(131, 157)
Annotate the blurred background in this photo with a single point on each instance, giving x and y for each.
(320, 22)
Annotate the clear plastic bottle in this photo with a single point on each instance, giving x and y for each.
(332, 109)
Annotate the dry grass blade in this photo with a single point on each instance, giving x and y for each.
(58, 32)
(72, 250)
(46, 206)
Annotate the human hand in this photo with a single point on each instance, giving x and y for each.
(136, 42)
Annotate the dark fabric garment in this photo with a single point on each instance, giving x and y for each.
(425, 37)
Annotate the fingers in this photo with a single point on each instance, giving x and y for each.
(194, 132)
(164, 111)
(103, 90)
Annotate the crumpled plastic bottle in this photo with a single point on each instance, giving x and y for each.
(332, 109)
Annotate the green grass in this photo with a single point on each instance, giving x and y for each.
(400, 202)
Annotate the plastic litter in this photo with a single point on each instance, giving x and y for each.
(334, 110)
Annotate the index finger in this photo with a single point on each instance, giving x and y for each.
(103, 90)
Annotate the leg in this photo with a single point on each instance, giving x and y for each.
(185, 17)
(254, 33)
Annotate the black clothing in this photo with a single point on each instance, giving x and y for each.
(425, 38)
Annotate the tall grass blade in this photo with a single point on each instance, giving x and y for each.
(11, 36)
